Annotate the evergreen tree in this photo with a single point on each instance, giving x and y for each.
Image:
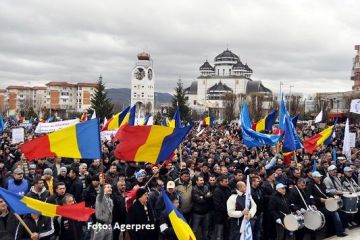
(180, 100)
(100, 102)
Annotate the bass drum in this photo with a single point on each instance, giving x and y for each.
(333, 204)
(293, 222)
(314, 220)
(350, 203)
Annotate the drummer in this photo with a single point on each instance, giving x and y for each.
(332, 181)
(348, 181)
(317, 193)
(279, 207)
(350, 185)
(300, 203)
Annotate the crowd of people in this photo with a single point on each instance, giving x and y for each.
(205, 180)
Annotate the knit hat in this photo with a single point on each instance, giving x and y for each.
(140, 173)
(140, 192)
(184, 171)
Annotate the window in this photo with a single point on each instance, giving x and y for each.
(134, 95)
(223, 72)
(229, 71)
(218, 72)
(194, 102)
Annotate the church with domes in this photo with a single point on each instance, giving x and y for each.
(228, 74)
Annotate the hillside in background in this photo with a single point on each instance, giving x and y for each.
(121, 96)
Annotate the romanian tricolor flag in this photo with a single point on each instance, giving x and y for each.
(116, 121)
(266, 123)
(176, 121)
(26, 205)
(150, 143)
(312, 143)
(178, 222)
(81, 140)
(207, 121)
(287, 157)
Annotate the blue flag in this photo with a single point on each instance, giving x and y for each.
(177, 119)
(2, 124)
(291, 139)
(333, 154)
(131, 121)
(252, 138)
(283, 113)
(330, 138)
(314, 167)
(295, 119)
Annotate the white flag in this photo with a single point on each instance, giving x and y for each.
(245, 228)
(199, 127)
(93, 116)
(319, 117)
(355, 106)
(346, 145)
(150, 121)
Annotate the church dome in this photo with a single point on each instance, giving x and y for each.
(227, 55)
(248, 68)
(143, 56)
(206, 67)
(239, 66)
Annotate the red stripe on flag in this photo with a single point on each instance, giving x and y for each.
(310, 144)
(131, 139)
(76, 211)
(37, 148)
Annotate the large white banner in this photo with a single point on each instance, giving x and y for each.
(107, 135)
(17, 135)
(53, 126)
(355, 106)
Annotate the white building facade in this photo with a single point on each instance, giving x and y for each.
(228, 75)
(142, 84)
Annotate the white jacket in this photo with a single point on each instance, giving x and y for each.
(231, 206)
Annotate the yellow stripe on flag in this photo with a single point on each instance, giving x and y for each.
(126, 119)
(64, 142)
(114, 124)
(46, 209)
(324, 135)
(149, 152)
(260, 125)
(181, 228)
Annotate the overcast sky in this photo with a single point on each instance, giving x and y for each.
(308, 44)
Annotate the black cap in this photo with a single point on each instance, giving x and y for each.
(184, 171)
(140, 192)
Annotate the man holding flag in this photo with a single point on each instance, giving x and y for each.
(241, 208)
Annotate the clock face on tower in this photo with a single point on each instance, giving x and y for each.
(139, 73)
(150, 74)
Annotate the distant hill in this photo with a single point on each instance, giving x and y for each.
(121, 96)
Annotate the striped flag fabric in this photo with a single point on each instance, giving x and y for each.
(116, 121)
(313, 142)
(26, 205)
(245, 228)
(265, 123)
(151, 143)
(178, 222)
(81, 140)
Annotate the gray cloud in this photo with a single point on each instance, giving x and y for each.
(308, 44)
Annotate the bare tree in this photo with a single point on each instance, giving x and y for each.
(229, 102)
(255, 103)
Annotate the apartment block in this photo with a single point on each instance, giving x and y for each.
(58, 97)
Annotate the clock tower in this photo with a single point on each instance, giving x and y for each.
(142, 85)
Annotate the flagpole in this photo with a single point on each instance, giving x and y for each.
(24, 224)
(154, 174)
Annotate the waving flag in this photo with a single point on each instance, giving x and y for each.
(2, 124)
(282, 115)
(252, 138)
(245, 228)
(83, 117)
(116, 121)
(208, 121)
(291, 139)
(93, 116)
(165, 121)
(176, 121)
(346, 147)
(152, 144)
(81, 140)
(295, 119)
(50, 119)
(178, 222)
(319, 117)
(265, 123)
(314, 166)
(313, 142)
(26, 205)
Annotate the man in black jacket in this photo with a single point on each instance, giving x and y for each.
(60, 190)
(8, 222)
(317, 192)
(200, 197)
(40, 226)
(69, 229)
(119, 210)
(300, 201)
(220, 196)
(258, 197)
(268, 188)
(141, 214)
(38, 191)
(279, 206)
(76, 186)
